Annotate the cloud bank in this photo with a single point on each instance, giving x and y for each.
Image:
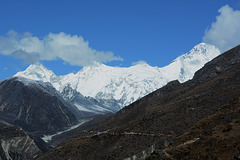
(70, 48)
(225, 32)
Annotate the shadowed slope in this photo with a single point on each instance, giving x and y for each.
(34, 106)
(215, 137)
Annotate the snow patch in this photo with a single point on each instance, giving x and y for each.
(48, 138)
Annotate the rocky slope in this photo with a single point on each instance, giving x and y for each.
(82, 103)
(17, 144)
(35, 106)
(117, 87)
(40, 109)
(155, 121)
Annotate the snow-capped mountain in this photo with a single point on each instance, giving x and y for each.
(125, 84)
(184, 67)
(38, 72)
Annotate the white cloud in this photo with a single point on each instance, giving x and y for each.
(70, 48)
(139, 62)
(225, 32)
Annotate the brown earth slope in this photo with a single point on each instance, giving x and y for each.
(215, 137)
(157, 119)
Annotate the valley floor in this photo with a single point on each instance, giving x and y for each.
(48, 138)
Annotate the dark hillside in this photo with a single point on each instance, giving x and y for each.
(33, 107)
(215, 137)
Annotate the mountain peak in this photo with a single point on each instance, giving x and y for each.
(204, 49)
(184, 67)
(37, 71)
(36, 66)
(142, 64)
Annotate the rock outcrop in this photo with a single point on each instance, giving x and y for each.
(17, 144)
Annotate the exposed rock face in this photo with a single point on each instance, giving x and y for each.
(89, 106)
(218, 65)
(34, 106)
(16, 144)
(167, 114)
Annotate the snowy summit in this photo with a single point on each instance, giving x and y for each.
(125, 84)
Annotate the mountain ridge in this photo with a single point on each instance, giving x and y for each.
(156, 120)
(125, 84)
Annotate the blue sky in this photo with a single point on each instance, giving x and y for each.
(115, 32)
